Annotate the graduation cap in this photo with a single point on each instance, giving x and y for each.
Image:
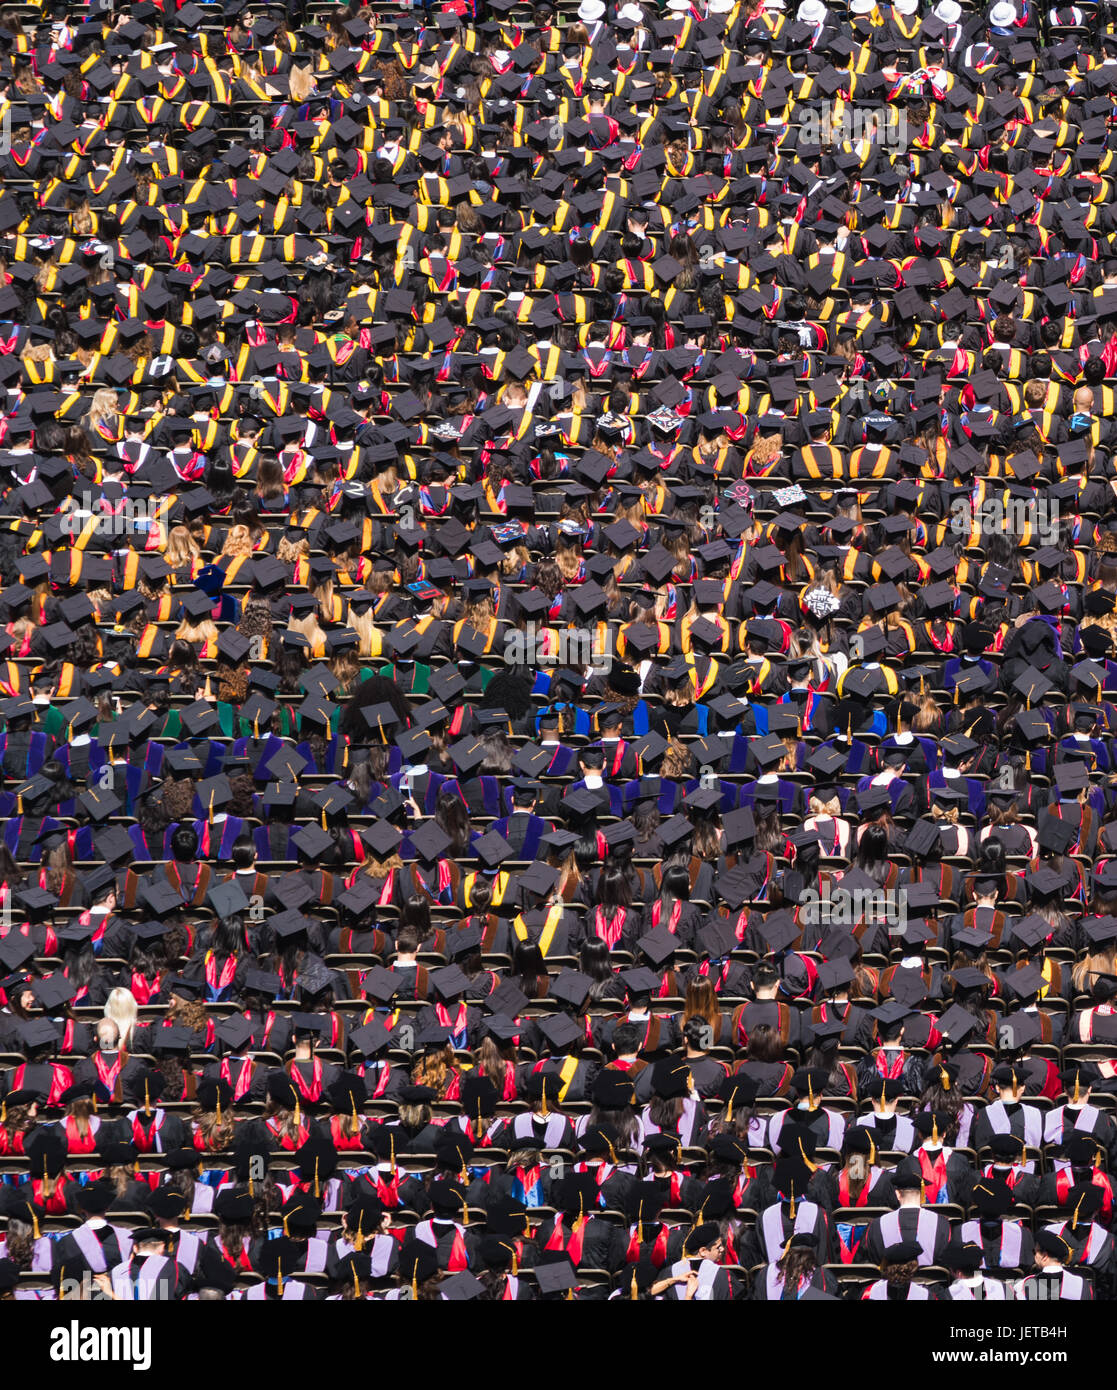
(227, 899)
(560, 1032)
(430, 842)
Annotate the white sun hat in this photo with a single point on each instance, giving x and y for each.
(811, 12)
(590, 11)
(905, 7)
(1003, 14)
(949, 11)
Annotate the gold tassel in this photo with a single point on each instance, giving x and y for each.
(219, 1108)
(543, 1110)
(872, 1151)
(729, 1110)
(35, 1223)
(1075, 1098)
(4, 1112)
(612, 1152)
(392, 1154)
(1077, 1206)
(323, 820)
(922, 1193)
(465, 1211)
(251, 1184)
(634, 1292)
(810, 1097)
(811, 1167)
(317, 1189)
(359, 1238)
(298, 1112)
(934, 1130)
(415, 1281)
(147, 1100)
(353, 1103)
(94, 1099)
(279, 1272)
(61, 1281)
(791, 1213)
(356, 1283)
(286, 1232)
(944, 1077)
(209, 817)
(19, 805)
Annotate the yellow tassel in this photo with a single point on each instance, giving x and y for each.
(286, 1232)
(147, 1100)
(279, 1275)
(1075, 1098)
(1077, 1206)
(811, 1096)
(934, 1130)
(392, 1154)
(415, 1283)
(61, 1281)
(317, 1189)
(872, 1152)
(4, 1113)
(922, 1192)
(944, 1077)
(209, 817)
(356, 1284)
(543, 1108)
(792, 1211)
(298, 1113)
(612, 1152)
(729, 1110)
(359, 1238)
(19, 805)
(219, 1108)
(251, 1185)
(634, 1292)
(356, 1118)
(811, 1167)
(35, 1224)
(465, 1212)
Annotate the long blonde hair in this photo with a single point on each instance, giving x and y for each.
(122, 1008)
(182, 549)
